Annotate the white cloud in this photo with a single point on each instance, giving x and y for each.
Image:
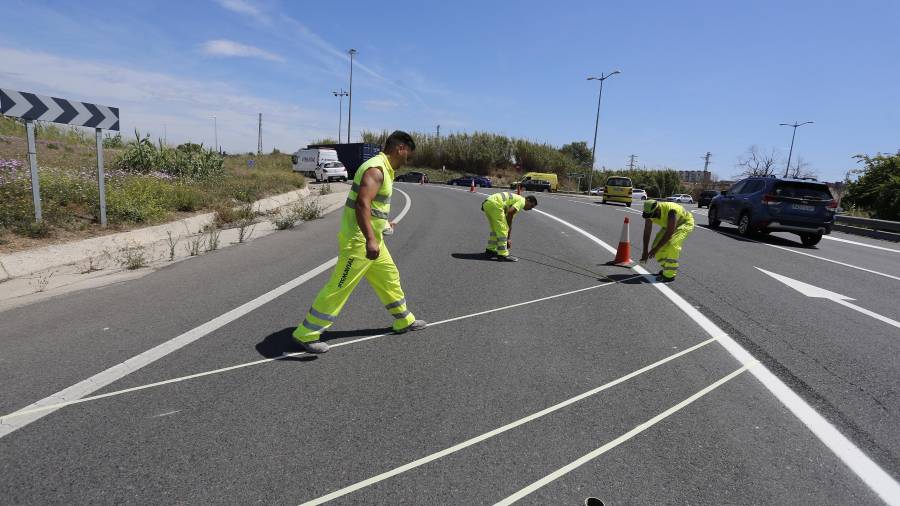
(381, 105)
(228, 48)
(243, 7)
(150, 100)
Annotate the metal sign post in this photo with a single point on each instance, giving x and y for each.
(32, 162)
(31, 108)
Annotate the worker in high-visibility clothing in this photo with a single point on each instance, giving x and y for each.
(362, 249)
(500, 208)
(676, 223)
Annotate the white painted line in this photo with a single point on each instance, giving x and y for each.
(866, 312)
(619, 440)
(803, 253)
(868, 471)
(36, 410)
(629, 210)
(487, 435)
(72, 394)
(882, 248)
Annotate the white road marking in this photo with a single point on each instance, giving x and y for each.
(882, 248)
(802, 253)
(72, 394)
(619, 440)
(36, 411)
(868, 471)
(487, 435)
(167, 413)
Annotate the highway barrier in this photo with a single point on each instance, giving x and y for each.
(879, 229)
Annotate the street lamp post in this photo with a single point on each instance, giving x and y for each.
(215, 134)
(791, 152)
(603, 77)
(350, 105)
(340, 94)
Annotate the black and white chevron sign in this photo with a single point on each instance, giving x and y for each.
(20, 104)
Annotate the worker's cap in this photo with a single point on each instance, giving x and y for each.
(649, 208)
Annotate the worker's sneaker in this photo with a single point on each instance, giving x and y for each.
(314, 346)
(490, 253)
(507, 258)
(414, 326)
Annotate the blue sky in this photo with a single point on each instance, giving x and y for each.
(696, 76)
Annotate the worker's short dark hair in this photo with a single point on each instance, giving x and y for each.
(396, 139)
(532, 199)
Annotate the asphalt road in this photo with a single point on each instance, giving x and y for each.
(467, 411)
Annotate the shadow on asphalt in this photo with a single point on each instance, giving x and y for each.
(471, 256)
(757, 237)
(591, 276)
(278, 343)
(629, 279)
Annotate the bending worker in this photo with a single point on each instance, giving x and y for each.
(499, 209)
(677, 223)
(362, 248)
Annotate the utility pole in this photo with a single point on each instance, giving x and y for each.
(350, 106)
(216, 134)
(706, 169)
(631, 162)
(439, 142)
(341, 94)
(259, 138)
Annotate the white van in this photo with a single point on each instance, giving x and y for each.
(321, 164)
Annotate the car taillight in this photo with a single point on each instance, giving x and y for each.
(832, 204)
(769, 199)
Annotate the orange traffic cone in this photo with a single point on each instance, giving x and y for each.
(472, 188)
(518, 189)
(623, 253)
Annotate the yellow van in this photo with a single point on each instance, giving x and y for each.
(617, 189)
(545, 176)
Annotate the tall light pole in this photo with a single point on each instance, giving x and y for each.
(791, 152)
(603, 77)
(350, 106)
(215, 134)
(340, 94)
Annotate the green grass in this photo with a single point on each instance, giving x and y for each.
(69, 194)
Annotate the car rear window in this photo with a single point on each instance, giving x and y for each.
(618, 181)
(800, 190)
(709, 194)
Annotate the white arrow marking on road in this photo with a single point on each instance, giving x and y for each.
(821, 293)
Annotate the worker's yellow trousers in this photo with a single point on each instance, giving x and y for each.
(499, 229)
(668, 255)
(351, 267)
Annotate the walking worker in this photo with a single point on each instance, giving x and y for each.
(677, 223)
(499, 209)
(362, 249)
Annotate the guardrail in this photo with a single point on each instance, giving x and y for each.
(879, 229)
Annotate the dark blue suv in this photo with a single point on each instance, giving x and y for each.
(767, 204)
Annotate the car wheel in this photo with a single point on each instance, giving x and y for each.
(713, 218)
(744, 225)
(810, 240)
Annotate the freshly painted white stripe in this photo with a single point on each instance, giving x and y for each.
(619, 440)
(44, 409)
(868, 471)
(77, 392)
(882, 248)
(487, 435)
(629, 210)
(803, 253)
(866, 312)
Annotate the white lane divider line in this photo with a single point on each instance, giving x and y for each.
(865, 468)
(72, 394)
(870, 271)
(36, 410)
(848, 241)
(619, 440)
(512, 425)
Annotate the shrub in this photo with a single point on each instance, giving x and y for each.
(137, 199)
(33, 229)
